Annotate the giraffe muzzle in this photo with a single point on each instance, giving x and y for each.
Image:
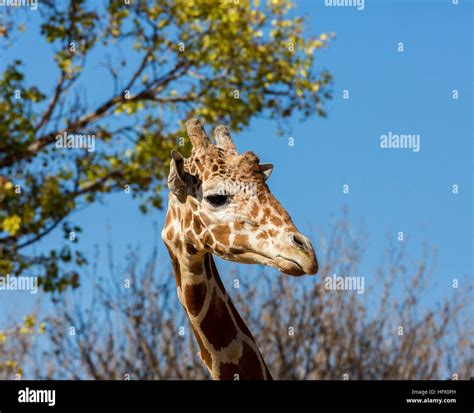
(301, 258)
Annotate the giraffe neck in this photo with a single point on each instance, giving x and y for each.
(228, 348)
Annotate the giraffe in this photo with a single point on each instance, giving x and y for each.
(219, 204)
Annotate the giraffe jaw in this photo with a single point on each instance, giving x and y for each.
(289, 266)
(285, 265)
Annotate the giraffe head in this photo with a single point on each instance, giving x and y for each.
(221, 204)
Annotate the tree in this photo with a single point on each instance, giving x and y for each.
(217, 60)
(16, 346)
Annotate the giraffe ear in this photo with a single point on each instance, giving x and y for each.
(266, 169)
(176, 177)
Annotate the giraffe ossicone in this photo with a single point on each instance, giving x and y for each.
(220, 204)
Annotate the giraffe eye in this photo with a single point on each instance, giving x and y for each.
(217, 200)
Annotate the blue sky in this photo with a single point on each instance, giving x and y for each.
(392, 190)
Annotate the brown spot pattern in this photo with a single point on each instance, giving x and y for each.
(168, 218)
(240, 323)
(188, 218)
(241, 239)
(238, 226)
(217, 325)
(276, 221)
(248, 368)
(196, 267)
(205, 355)
(272, 233)
(177, 270)
(190, 249)
(254, 211)
(262, 235)
(207, 266)
(212, 272)
(222, 233)
(197, 225)
(195, 294)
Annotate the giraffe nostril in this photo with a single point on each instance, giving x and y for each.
(299, 241)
